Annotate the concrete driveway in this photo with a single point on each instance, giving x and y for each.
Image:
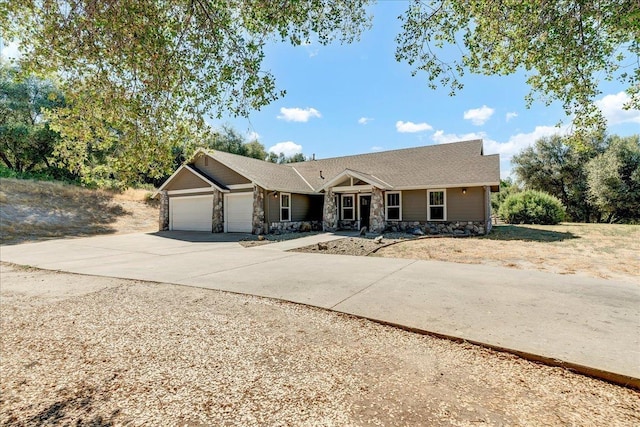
(590, 324)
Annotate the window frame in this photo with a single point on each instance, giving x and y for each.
(443, 205)
(387, 206)
(288, 208)
(352, 207)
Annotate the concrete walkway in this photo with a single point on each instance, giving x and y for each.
(582, 321)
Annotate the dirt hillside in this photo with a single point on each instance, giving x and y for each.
(38, 210)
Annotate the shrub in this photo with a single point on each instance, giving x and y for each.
(531, 207)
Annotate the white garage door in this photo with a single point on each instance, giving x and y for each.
(191, 213)
(238, 212)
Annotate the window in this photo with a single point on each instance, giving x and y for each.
(348, 209)
(437, 209)
(393, 207)
(285, 207)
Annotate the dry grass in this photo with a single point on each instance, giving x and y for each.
(36, 210)
(610, 251)
(80, 350)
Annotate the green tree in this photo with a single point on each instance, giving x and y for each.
(532, 207)
(256, 150)
(614, 180)
(555, 166)
(566, 47)
(507, 187)
(282, 159)
(132, 68)
(26, 141)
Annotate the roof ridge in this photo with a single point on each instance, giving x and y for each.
(376, 153)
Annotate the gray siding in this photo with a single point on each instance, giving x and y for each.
(219, 172)
(272, 207)
(465, 207)
(186, 180)
(414, 205)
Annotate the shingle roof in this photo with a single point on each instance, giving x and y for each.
(268, 175)
(443, 165)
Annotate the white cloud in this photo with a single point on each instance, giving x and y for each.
(253, 136)
(377, 148)
(298, 114)
(10, 51)
(514, 145)
(410, 127)
(444, 138)
(289, 148)
(612, 109)
(364, 120)
(479, 116)
(511, 115)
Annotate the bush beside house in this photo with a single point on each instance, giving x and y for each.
(532, 207)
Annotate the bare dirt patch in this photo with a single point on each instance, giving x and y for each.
(102, 351)
(358, 246)
(608, 251)
(37, 210)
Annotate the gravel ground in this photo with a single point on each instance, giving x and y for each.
(359, 246)
(98, 351)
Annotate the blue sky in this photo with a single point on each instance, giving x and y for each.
(351, 99)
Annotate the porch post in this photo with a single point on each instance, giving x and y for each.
(163, 223)
(329, 212)
(257, 225)
(376, 211)
(217, 218)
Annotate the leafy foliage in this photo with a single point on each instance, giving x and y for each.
(532, 207)
(614, 180)
(507, 188)
(141, 74)
(567, 47)
(555, 166)
(282, 159)
(26, 140)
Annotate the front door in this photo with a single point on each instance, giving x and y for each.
(365, 211)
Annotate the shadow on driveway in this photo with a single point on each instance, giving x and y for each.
(204, 236)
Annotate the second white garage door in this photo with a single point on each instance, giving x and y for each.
(238, 212)
(191, 213)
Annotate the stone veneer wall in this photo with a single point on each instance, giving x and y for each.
(456, 228)
(217, 217)
(294, 226)
(347, 224)
(257, 223)
(376, 212)
(329, 212)
(163, 223)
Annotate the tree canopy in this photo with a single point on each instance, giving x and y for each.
(26, 140)
(600, 182)
(614, 180)
(557, 167)
(140, 75)
(566, 47)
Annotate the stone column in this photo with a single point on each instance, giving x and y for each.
(376, 213)
(329, 212)
(163, 224)
(258, 210)
(217, 218)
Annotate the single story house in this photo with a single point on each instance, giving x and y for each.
(442, 188)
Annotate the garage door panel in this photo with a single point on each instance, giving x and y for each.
(239, 212)
(191, 213)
